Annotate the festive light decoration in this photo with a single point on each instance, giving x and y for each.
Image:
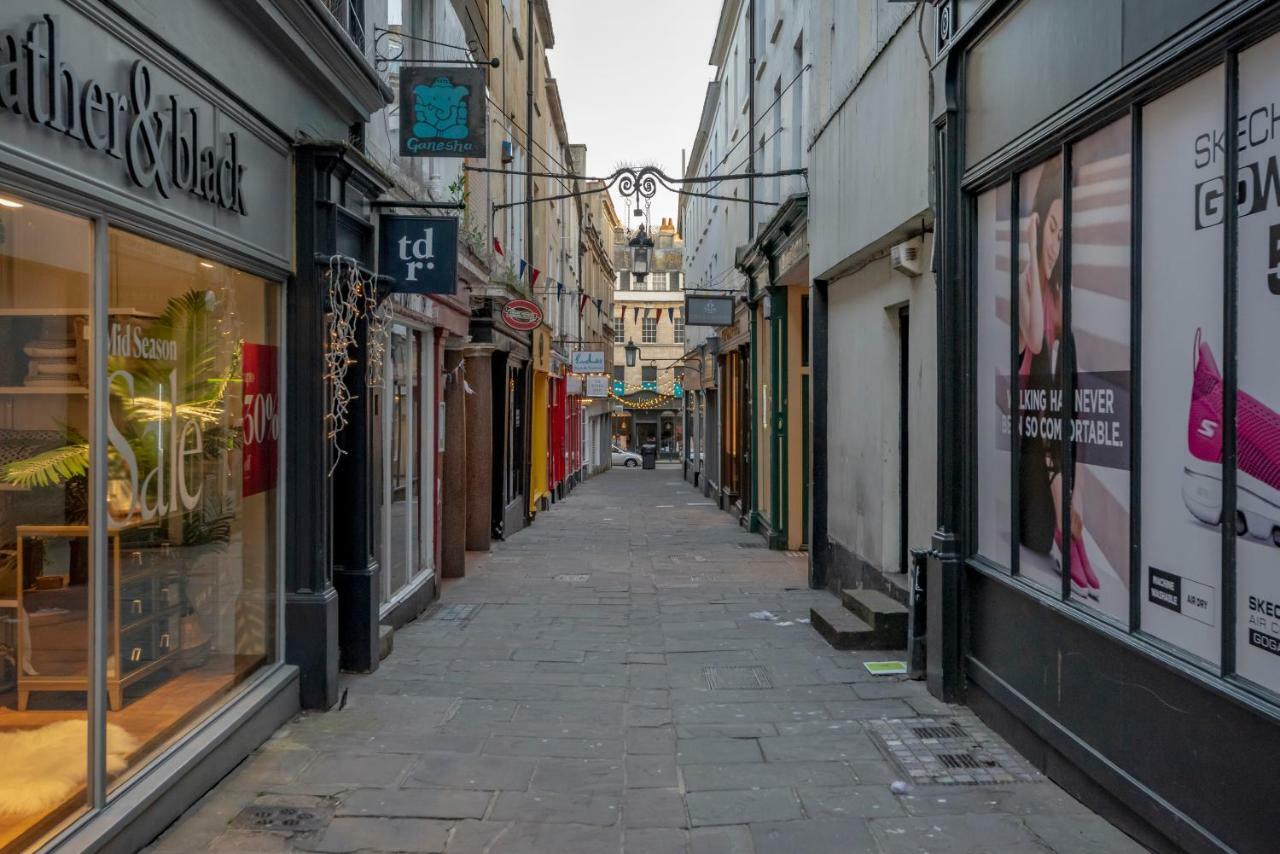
(346, 304)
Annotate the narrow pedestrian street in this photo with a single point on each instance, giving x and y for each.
(607, 681)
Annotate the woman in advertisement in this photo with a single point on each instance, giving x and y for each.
(1040, 357)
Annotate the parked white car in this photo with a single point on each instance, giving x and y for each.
(630, 459)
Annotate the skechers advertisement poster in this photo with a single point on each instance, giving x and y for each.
(1182, 295)
(1258, 403)
(1093, 546)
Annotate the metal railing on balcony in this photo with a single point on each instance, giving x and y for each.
(350, 16)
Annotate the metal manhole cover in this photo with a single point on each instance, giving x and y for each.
(457, 613)
(951, 752)
(736, 678)
(282, 818)
(572, 579)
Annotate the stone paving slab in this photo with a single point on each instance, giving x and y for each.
(638, 709)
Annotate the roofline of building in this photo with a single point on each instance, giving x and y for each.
(725, 29)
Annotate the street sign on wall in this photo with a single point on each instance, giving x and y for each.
(419, 253)
(588, 361)
(708, 311)
(442, 112)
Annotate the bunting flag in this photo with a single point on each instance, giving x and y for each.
(582, 303)
(559, 289)
(533, 279)
(671, 315)
(497, 247)
(635, 315)
(599, 306)
(524, 265)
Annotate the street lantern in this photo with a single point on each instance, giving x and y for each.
(640, 251)
(632, 350)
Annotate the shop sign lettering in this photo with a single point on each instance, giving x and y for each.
(162, 142)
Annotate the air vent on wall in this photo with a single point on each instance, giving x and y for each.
(905, 257)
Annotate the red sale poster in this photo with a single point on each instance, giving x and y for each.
(261, 419)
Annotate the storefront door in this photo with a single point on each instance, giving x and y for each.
(407, 463)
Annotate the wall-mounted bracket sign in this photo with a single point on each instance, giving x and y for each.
(588, 361)
(163, 142)
(522, 315)
(442, 111)
(597, 386)
(419, 254)
(708, 311)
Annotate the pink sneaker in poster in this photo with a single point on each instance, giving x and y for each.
(1257, 450)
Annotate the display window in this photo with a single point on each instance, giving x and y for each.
(1060, 477)
(191, 437)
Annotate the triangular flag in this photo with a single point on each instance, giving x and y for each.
(524, 265)
(497, 247)
(533, 279)
(559, 289)
(671, 315)
(635, 314)
(582, 303)
(600, 306)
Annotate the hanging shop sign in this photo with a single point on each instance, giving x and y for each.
(597, 386)
(542, 350)
(588, 362)
(419, 254)
(708, 311)
(442, 111)
(161, 139)
(522, 315)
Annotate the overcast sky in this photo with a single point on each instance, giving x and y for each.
(632, 77)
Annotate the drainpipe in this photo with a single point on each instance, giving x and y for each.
(749, 484)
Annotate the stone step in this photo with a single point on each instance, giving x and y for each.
(386, 641)
(841, 629)
(886, 617)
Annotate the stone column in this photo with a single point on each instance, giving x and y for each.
(453, 495)
(479, 447)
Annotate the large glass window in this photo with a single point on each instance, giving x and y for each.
(1181, 384)
(993, 389)
(192, 487)
(46, 282)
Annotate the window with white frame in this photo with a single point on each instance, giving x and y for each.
(657, 281)
(649, 331)
(678, 329)
(620, 332)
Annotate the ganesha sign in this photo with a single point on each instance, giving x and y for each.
(442, 112)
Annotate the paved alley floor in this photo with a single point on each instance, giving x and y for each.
(598, 684)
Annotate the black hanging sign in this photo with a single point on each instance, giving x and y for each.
(442, 111)
(419, 254)
(708, 310)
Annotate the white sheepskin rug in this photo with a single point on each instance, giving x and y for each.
(45, 766)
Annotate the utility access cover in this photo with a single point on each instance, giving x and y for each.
(284, 819)
(457, 613)
(573, 579)
(953, 751)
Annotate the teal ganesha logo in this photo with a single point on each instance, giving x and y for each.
(440, 117)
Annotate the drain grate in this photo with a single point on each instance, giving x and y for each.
(751, 545)
(281, 818)
(951, 752)
(572, 579)
(736, 678)
(953, 731)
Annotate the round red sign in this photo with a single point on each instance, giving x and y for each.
(521, 314)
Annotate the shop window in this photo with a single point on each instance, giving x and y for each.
(1181, 349)
(192, 484)
(1038, 369)
(192, 461)
(1257, 630)
(1100, 238)
(46, 281)
(994, 433)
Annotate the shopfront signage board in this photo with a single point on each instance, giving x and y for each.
(597, 386)
(522, 315)
(419, 254)
(442, 111)
(708, 310)
(588, 362)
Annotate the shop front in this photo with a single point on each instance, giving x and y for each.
(145, 248)
(734, 374)
(1107, 582)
